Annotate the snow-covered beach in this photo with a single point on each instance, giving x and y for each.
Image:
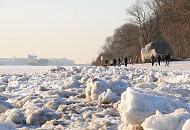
(135, 97)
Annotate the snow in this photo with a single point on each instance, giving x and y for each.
(173, 121)
(95, 87)
(4, 106)
(181, 66)
(108, 97)
(13, 115)
(23, 69)
(88, 97)
(7, 126)
(136, 106)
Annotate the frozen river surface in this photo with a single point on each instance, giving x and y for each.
(137, 97)
(23, 69)
(175, 66)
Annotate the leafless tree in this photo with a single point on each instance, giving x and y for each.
(145, 14)
(175, 25)
(124, 42)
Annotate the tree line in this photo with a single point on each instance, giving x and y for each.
(150, 20)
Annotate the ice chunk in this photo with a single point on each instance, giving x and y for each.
(3, 98)
(95, 87)
(136, 106)
(172, 121)
(7, 126)
(52, 105)
(129, 127)
(40, 116)
(4, 106)
(57, 69)
(108, 97)
(186, 125)
(13, 115)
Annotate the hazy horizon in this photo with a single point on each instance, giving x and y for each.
(58, 28)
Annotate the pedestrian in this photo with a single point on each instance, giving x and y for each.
(106, 62)
(152, 60)
(167, 59)
(114, 62)
(125, 61)
(159, 59)
(119, 61)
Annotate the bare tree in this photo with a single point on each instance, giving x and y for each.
(145, 14)
(152, 20)
(175, 25)
(124, 42)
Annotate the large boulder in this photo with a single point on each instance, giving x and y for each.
(155, 48)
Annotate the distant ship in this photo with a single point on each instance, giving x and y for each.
(34, 60)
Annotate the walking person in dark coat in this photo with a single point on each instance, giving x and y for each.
(119, 62)
(126, 61)
(167, 59)
(159, 59)
(152, 60)
(106, 62)
(114, 62)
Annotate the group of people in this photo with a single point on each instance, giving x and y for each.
(158, 59)
(120, 61)
(125, 61)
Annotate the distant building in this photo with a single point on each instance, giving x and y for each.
(32, 59)
(155, 48)
(36, 61)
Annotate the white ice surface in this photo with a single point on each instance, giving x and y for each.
(57, 99)
(23, 69)
(177, 120)
(174, 65)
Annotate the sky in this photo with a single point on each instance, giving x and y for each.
(73, 29)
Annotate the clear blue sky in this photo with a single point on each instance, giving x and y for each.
(74, 29)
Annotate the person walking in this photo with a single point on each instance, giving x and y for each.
(152, 60)
(119, 61)
(106, 62)
(125, 61)
(114, 62)
(167, 59)
(159, 59)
